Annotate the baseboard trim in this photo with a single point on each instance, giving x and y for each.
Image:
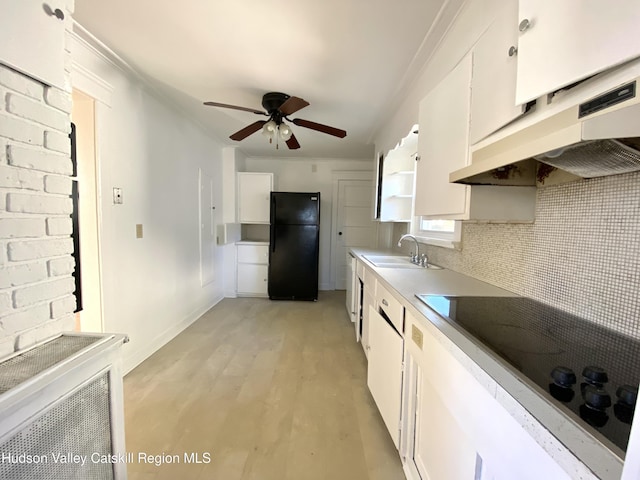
(142, 353)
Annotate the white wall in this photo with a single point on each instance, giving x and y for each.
(151, 286)
(298, 175)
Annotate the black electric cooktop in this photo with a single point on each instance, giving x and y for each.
(589, 369)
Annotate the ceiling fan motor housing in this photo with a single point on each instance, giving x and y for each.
(272, 101)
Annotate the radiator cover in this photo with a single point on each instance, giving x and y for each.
(62, 412)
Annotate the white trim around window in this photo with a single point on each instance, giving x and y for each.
(442, 233)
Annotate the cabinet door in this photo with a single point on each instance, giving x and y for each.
(351, 291)
(253, 197)
(442, 449)
(368, 302)
(32, 39)
(443, 145)
(573, 39)
(252, 279)
(493, 87)
(384, 372)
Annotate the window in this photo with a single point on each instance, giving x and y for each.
(444, 233)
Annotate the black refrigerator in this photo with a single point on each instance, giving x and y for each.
(294, 246)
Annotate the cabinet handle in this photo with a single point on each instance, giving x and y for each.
(59, 14)
(513, 51)
(385, 303)
(524, 25)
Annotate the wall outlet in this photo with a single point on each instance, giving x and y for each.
(138, 230)
(117, 196)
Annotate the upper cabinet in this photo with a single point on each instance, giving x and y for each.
(495, 65)
(563, 42)
(254, 190)
(397, 179)
(32, 37)
(443, 146)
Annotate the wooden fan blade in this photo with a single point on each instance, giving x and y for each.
(292, 143)
(336, 132)
(235, 107)
(292, 105)
(248, 130)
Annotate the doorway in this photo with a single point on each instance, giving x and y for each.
(89, 315)
(353, 224)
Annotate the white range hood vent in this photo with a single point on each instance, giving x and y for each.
(596, 138)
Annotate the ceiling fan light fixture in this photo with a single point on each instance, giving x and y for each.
(269, 129)
(285, 131)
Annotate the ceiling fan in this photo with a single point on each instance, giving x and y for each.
(278, 107)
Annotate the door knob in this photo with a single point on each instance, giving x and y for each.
(339, 233)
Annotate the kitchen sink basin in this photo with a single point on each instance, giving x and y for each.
(395, 261)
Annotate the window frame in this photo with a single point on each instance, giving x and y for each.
(435, 237)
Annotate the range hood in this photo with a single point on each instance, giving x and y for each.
(595, 138)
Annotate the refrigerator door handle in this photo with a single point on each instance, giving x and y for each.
(273, 238)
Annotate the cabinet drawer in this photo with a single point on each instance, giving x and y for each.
(253, 254)
(392, 307)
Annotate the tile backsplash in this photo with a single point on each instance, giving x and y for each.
(582, 254)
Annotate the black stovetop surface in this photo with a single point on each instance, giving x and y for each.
(534, 338)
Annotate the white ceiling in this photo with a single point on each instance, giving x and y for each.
(350, 59)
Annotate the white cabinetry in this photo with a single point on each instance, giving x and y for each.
(384, 371)
(493, 86)
(368, 300)
(443, 146)
(253, 269)
(254, 197)
(386, 350)
(352, 280)
(32, 38)
(563, 42)
(398, 180)
(453, 426)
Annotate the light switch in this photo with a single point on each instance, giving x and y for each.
(138, 230)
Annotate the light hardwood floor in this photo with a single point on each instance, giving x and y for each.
(272, 390)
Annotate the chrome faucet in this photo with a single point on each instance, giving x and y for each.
(414, 258)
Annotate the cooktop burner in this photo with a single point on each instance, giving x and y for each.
(589, 369)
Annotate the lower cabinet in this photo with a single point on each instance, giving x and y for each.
(252, 270)
(384, 371)
(368, 300)
(352, 278)
(452, 427)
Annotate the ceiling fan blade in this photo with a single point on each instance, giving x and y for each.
(292, 105)
(292, 143)
(235, 107)
(336, 132)
(248, 130)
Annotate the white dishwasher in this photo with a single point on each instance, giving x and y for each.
(386, 350)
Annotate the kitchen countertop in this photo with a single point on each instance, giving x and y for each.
(565, 440)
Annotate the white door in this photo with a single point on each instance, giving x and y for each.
(353, 226)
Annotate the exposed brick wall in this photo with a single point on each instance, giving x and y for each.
(36, 283)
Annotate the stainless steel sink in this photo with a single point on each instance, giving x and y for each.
(395, 261)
